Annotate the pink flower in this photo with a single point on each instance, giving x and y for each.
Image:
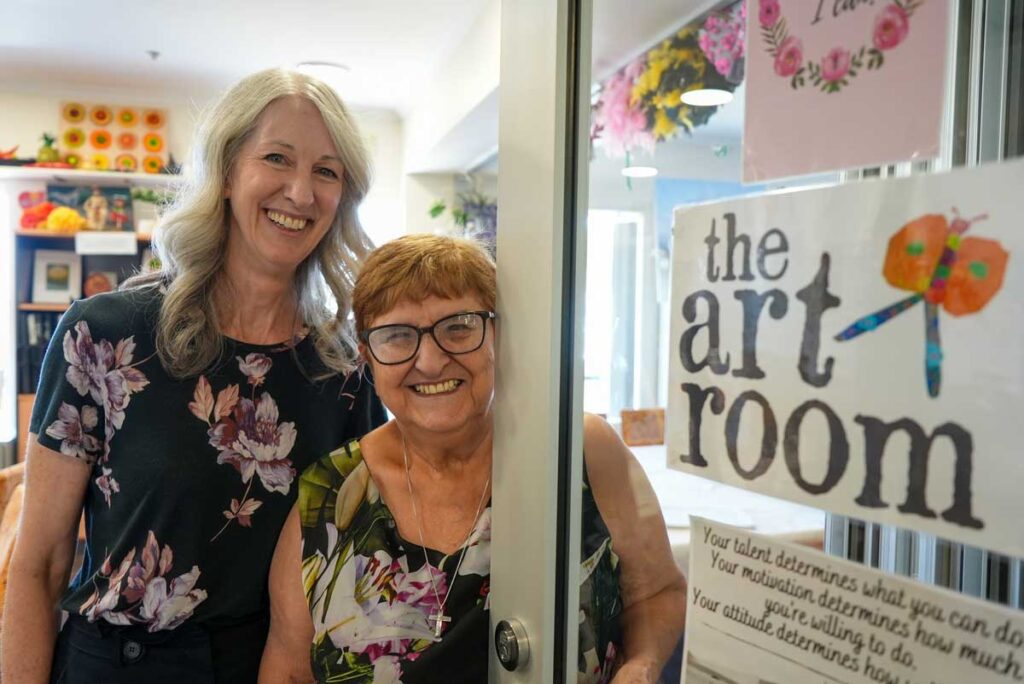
(789, 57)
(162, 606)
(836, 65)
(105, 374)
(769, 13)
(723, 65)
(166, 607)
(108, 486)
(891, 27)
(255, 366)
(255, 443)
(622, 126)
(71, 428)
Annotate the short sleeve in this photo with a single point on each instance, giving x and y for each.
(68, 411)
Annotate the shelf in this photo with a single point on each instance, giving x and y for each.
(57, 308)
(45, 235)
(77, 177)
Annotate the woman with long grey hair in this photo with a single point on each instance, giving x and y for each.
(177, 412)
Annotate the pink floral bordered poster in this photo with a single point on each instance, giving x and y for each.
(836, 84)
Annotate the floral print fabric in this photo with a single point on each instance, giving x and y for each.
(248, 435)
(370, 595)
(103, 372)
(191, 479)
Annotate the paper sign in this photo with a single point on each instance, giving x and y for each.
(837, 84)
(858, 349)
(765, 612)
(106, 242)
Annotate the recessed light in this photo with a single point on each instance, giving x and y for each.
(325, 71)
(639, 171)
(707, 97)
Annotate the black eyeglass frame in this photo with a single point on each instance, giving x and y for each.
(485, 315)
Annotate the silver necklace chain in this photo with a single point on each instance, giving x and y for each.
(440, 618)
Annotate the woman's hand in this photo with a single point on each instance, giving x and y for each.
(286, 656)
(55, 487)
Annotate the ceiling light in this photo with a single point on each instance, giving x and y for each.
(325, 71)
(707, 97)
(639, 171)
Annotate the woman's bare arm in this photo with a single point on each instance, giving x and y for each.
(286, 656)
(55, 486)
(653, 588)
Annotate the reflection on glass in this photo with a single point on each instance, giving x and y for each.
(667, 112)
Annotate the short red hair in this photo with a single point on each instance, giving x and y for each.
(419, 265)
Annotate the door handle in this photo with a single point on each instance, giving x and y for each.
(512, 644)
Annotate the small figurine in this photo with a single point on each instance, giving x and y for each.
(96, 210)
(118, 214)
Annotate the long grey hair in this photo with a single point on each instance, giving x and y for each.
(191, 237)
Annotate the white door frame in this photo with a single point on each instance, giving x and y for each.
(545, 55)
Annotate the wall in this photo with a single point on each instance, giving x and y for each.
(30, 110)
(453, 124)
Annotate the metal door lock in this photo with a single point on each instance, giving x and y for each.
(512, 644)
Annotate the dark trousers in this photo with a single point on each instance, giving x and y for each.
(100, 653)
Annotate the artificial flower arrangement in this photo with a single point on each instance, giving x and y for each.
(641, 104)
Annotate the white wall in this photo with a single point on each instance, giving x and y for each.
(453, 124)
(382, 211)
(28, 111)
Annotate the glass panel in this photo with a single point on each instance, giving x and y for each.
(650, 154)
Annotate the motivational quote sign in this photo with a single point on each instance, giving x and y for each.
(857, 348)
(834, 84)
(801, 616)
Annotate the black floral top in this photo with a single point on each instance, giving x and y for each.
(374, 599)
(192, 480)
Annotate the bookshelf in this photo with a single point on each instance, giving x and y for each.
(26, 324)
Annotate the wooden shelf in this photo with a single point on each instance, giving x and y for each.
(46, 235)
(78, 177)
(30, 306)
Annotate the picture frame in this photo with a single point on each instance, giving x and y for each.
(56, 277)
(643, 427)
(98, 282)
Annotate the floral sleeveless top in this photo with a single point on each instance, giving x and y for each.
(191, 479)
(371, 598)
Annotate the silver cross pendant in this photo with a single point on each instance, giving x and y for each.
(439, 619)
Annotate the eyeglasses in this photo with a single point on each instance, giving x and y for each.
(459, 333)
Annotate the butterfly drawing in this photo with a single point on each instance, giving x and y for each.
(930, 257)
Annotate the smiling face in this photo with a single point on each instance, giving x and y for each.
(284, 189)
(436, 391)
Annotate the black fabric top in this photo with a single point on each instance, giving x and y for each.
(191, 480)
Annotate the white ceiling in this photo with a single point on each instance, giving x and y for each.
(204, 45)
(625, 28)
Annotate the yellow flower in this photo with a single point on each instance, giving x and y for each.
(64, 220)
(663, 125)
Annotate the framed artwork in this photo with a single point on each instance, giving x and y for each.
(104, 208)
(56, 277)
(107, 137)
(98, 282)
(643, 427)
